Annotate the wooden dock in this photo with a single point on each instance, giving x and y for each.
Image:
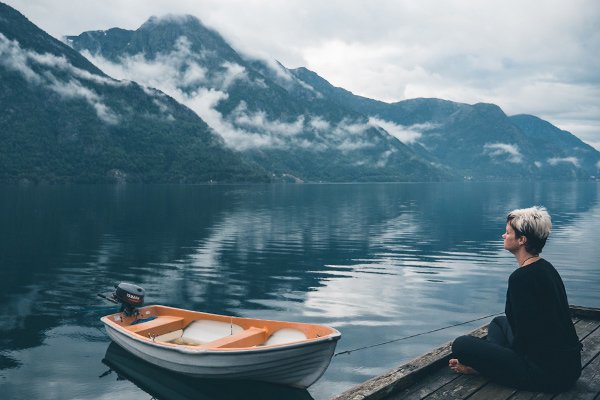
(428, 377)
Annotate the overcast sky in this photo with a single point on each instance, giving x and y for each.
(534, 57)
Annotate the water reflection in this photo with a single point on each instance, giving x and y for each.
(376, 261)
(166, 385)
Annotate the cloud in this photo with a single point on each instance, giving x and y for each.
(61, 63)
(406, 134)
(461, 51)
(564, 160)
(348, 126)
(179, 67)
(260, 121)
(351, 145)
(319, 124)
(73, 90)
(383, 160)
(179, 70)
(14, 57)
(243, 130)
(231, 73)
(282, 75)
(181, 74)
(598, 165)
(350, 135)
(510, 151)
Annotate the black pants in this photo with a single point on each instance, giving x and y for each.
(495, 359)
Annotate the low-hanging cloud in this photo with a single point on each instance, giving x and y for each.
(385, 156)
(564, 160)
(74, 89)
(180, 69)
(350, 135)
(259, 120)
(14, 57)
(465, 54)
(319, 123)
(510, 152)
(180, 73)
(406, 134)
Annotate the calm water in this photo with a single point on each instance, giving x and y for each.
(378, 262)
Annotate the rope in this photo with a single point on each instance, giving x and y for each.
(416, 334)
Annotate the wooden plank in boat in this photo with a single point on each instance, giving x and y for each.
(158, 326)
(246, 338)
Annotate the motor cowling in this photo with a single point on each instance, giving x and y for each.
(130, 297)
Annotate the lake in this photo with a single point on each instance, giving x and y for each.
(379, 262)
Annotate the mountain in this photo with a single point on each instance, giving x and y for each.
(561, 151)
(64, 120)
(172, 101)
(256, 107)
(480, 141)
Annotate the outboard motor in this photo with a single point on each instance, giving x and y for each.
(130, 297)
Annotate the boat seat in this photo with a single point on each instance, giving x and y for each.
(158, 326)
(285, 335)
(170, 336)
(204, 330)
(246, 338)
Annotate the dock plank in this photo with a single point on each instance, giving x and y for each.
(437, 379)
(460, 388)
(588, 385)
(585, 312)
(493, 391)
(404, 376)
(429, 377)
(426, 385)
(523, 395)
(584, 328)
(591, 346)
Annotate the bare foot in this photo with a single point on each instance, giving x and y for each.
(459, 368)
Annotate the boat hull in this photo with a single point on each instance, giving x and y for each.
(163, 384)
(297, 364)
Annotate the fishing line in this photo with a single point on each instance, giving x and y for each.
(415, 335)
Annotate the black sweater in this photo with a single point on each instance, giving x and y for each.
(538, 312)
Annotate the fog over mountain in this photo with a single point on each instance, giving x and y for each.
(172, 101)
(265, 110)
(478, 140)
(64, 120)
(308, 138)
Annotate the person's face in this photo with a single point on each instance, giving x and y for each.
(511, 243)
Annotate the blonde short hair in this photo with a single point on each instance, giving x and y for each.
(534, 223)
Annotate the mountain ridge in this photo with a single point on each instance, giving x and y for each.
(219, 115)
(249, 104)
(64, 120)
(464, 136)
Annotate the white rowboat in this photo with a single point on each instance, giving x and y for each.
(222, 347)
